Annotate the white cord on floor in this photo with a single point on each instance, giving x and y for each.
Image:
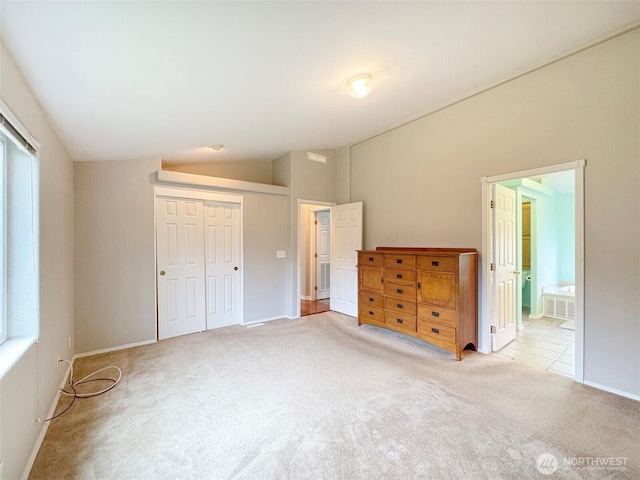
(86, 380)
(73, 384)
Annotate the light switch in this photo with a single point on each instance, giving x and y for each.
(280, 254)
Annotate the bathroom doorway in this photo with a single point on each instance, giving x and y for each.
(550, 331)
(545, 237)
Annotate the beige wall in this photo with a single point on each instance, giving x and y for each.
(281, 175)
(281, 170)
(29, 388)
(342, 173)
(114, 253)
(258, 172)
(421, 182)
(265, 232)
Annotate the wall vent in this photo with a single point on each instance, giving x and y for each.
(316, 157)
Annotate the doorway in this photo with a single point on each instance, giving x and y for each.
(314, 258)
(546, 277)
(544, 336)
(345, 239)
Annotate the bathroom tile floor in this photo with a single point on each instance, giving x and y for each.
(543, 344)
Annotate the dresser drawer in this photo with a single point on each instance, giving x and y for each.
(436, 330)
(399, 260)
(398, 321)
(367, 300)
(371, 259)
(406, 277)
(438, 314)
(435, 263)
(371, 315)
(400, 306)
(406, 292)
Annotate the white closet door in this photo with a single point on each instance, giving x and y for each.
(180, 262)
(222, 239)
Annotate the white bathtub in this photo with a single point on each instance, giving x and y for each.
(559, 301)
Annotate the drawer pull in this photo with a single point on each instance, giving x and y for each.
(398, 275)
(399, 320)
(371, 299)
(371, 313)
(435, 330)
(381, 279)
(435, 264)
(399, 305)
(398, 260)
(371, 259)
(419, 286)
(435, 314)
(399, 290)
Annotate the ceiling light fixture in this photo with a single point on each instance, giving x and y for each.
(217, 147)
(360, 85)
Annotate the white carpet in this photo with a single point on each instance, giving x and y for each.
(321, 398)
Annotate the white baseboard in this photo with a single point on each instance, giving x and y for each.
(282, 317)
(613, 390)
(305, 297)
(113, 349)
(45, 427)
(537, 317)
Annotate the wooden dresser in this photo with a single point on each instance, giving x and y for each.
(428, 293)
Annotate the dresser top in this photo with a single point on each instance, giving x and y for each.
(424, 250)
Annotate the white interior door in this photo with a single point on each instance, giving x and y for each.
(180, 267)
(504, 258)
(222, 240)
(323, 259)
(345, 241)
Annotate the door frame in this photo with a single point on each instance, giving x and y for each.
(300, 257)
(487, 278)
(205, 195)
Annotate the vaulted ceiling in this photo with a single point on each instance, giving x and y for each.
(126, 80)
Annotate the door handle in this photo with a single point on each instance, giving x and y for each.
(235, 268)
(162, 272)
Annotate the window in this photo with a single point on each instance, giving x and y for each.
(19, 224)
(3, 313)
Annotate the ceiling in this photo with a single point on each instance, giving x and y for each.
(128, 80)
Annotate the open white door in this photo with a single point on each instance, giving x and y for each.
(323, 259)
(346, 240)
(180, 257)
(504, 258)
